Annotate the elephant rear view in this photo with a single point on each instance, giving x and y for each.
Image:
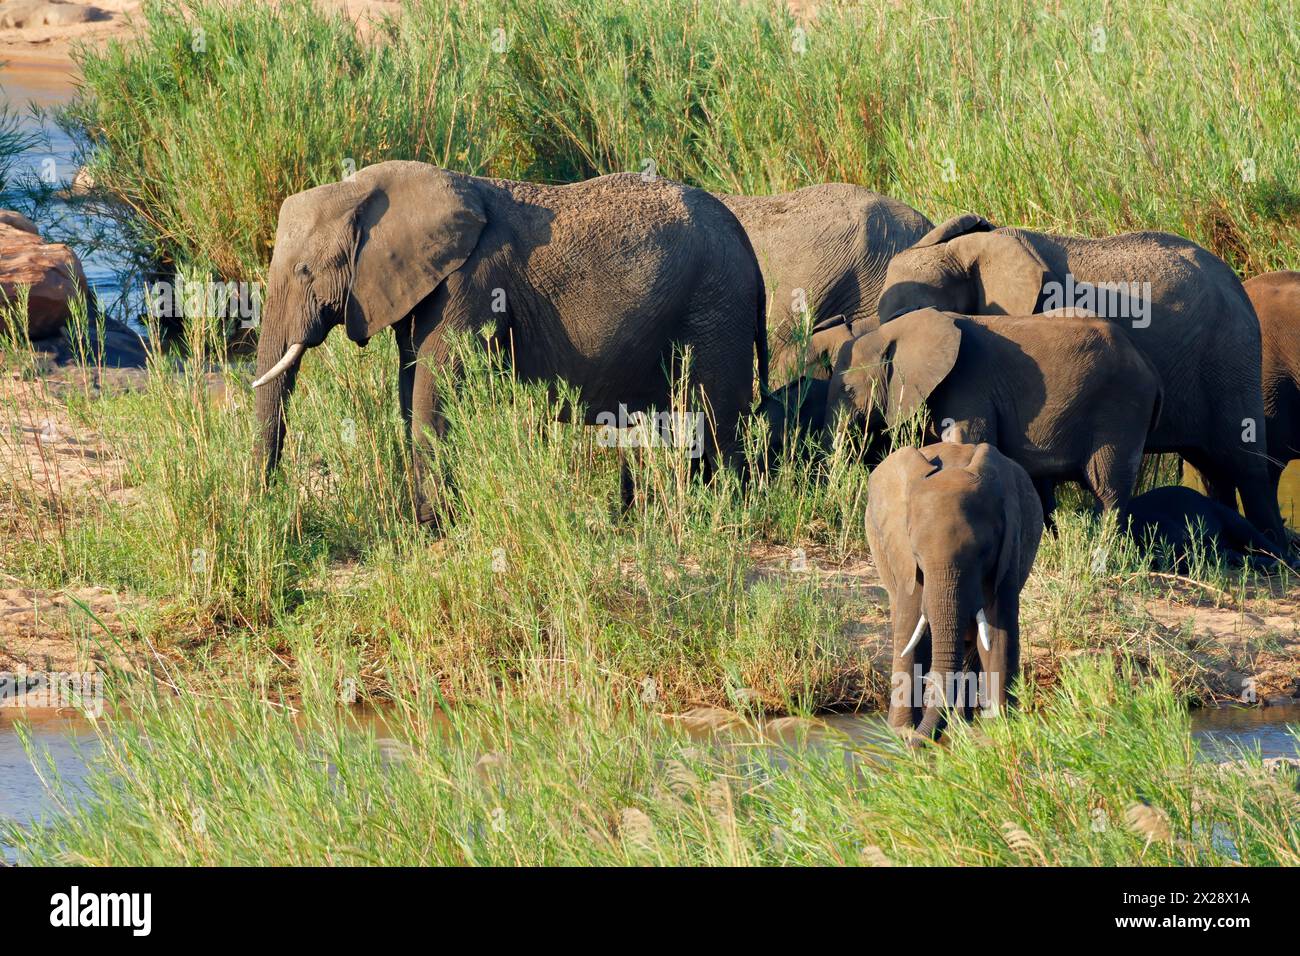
(1180, 305)
(602, 284)
(823, 251)
(954, 530)
(1276, 297)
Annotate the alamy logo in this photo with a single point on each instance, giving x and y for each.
(624, 429)
(73, 909)
(1109, 300)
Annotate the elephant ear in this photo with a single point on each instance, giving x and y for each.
(415, 225)
(967, 222)
(1022, 513)
(887, 531)
(926, 344)
(1008, 272)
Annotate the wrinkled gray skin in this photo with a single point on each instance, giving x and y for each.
(953, 530)
(594, 283)
(833, 241)
(1276, 297)
(1182, 521)
(1066, 398)
(1203, 338)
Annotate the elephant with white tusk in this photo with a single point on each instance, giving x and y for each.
(603, 284)
(954, 530)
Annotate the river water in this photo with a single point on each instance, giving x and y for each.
(44, 86)
(70, 744)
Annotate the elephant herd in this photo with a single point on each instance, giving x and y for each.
(1038, 359)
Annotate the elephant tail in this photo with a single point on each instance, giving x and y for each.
(1156, 408)
(1158, 400)
(760, 337)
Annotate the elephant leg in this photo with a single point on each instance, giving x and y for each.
(1217, 482)
(1112, 473)
(428, 425)
(1259, 501)
(1001, 664)
(1245, 465)
(1046, 489)
(626, 484)
(905, 703)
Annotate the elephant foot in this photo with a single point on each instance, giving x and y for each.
(430, 519)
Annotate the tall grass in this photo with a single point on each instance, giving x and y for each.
(1100, 774)
(1068, 116)
(204, 122)
(535, 566)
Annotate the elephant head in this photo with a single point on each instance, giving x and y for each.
(362, 253)
(885, 376)
(964, 265)
(959, 522)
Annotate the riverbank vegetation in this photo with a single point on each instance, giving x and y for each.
(1061, 116)
(1099, 773)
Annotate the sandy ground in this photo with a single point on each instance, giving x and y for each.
(54, 465)
(42, 48)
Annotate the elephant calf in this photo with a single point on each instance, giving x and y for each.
(601, 284)
(954, 530)
(1180, 520)
(1068, 398)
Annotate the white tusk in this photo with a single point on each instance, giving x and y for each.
(281, 366)
(916, 637)
(983, 623)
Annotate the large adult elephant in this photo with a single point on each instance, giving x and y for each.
(601, 284)
(1276, 297)
(1183, 307)
(823, 251)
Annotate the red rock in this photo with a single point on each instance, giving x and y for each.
(52, 271)
(16, 219)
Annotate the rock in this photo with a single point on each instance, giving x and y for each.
(51, 269)
(16, 219)
(111, 345)
(1277, 764)
(21, 14)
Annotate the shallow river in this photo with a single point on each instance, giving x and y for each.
(1222, 734)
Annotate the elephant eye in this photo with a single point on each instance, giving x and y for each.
(301, 270)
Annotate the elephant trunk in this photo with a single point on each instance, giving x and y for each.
(948, 622)
(274, 355)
